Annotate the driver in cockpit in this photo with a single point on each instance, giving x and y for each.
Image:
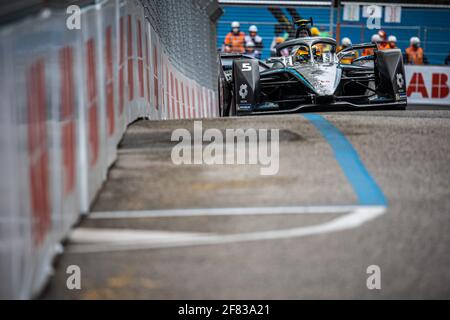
(302, 54)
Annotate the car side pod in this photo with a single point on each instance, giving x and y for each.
(391, 74)
(246, 85)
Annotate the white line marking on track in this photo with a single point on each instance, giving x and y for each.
(144, 240)
(221, 212)
(103, 235)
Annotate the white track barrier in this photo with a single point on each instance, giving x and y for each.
(67, 97)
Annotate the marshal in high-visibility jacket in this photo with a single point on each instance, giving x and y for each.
(350, 57)
(384, 46)
(235, 43)
(369, 51)
(414, 53)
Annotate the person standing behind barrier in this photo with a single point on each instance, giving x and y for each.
(346, 43)
(392, 41)
(250, 49)
(375, 40)
(281, 35)
(273, 50)
(256, 39)
(383, 42)
(235, 39)
(414, 53)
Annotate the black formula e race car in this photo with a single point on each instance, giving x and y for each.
(309, 73)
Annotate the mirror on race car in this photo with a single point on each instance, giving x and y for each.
(277, 62)
(346, 54)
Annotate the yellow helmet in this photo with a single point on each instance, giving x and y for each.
(315, 32)
(279, 40)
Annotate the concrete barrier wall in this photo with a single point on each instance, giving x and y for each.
(67, 97)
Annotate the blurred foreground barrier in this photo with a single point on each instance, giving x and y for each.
(67, 97)
(428, 84)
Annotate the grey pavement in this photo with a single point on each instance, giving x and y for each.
(406, 152)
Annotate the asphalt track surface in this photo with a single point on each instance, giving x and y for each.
(354, 189)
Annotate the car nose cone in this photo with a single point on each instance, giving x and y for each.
(323, 78)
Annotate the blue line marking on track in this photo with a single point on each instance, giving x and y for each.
(365, 187)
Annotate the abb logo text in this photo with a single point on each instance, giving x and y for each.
(428, 84)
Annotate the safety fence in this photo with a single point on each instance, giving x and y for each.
(429, 24)
(67, 97)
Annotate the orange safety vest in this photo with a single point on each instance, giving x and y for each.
(236, 42)
(368, 52)
(414, 56)
(383, 46)
(348, 59)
